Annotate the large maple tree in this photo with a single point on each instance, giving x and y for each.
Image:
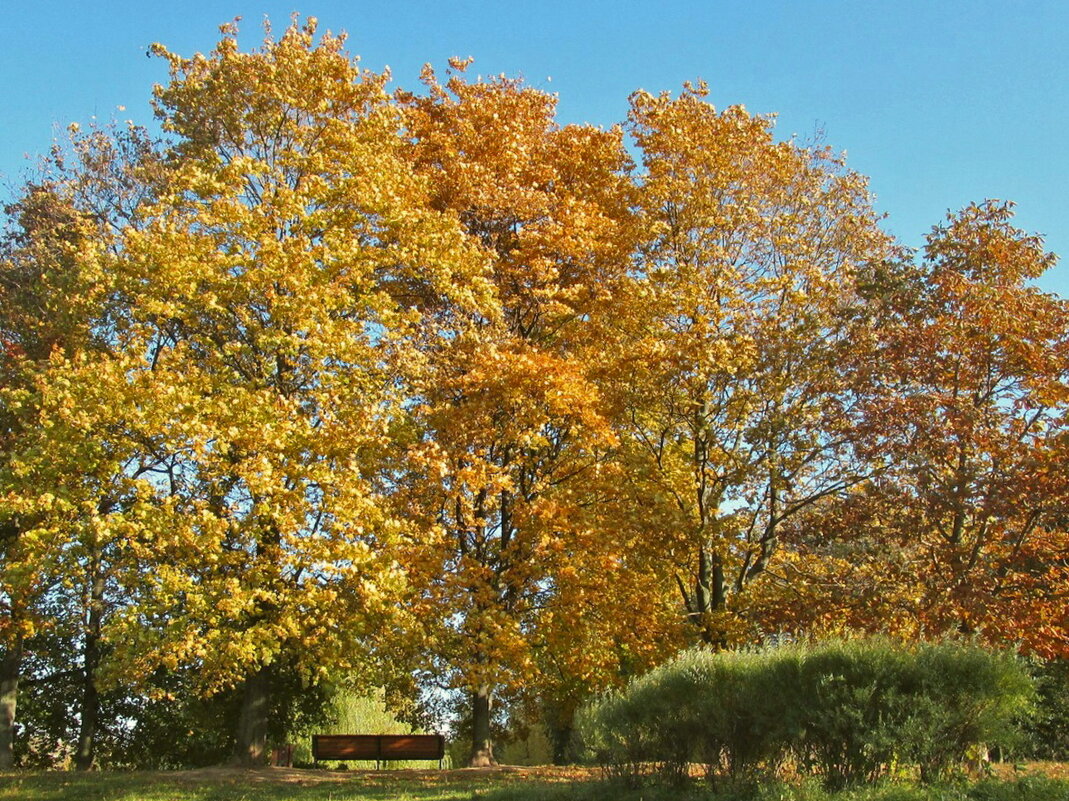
(283, 264)
(739, 414)
(513, 419)
(963, 527)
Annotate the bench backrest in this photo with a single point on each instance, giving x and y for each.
(412, 746)
(345, 746)
(378, 746)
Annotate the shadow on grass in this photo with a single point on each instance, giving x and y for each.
(266, 785)
(230, 785)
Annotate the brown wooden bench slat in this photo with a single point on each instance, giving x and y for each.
(413, 746)
(345, 746)
(378, 747)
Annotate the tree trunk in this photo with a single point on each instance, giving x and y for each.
(251, 736)
(482, 747)
(709, 597)
(90, 706)
(560, 734)
(10, 667)
(90, 715)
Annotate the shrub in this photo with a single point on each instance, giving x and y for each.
(721, 710)
(851, 700)
(968, 697)
(1048, 731)
(846, 710)
(747, 712)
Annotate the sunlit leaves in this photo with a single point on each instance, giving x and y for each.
(963, 527)
(426, 383)
(738, 409)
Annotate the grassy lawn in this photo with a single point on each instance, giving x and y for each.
(280, 784)
(503, 784)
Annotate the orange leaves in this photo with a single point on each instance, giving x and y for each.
(737, 416)
(516, 423)
(964, 418)
(981, 243)
(516, 397)
(432, 380)
(548, 204)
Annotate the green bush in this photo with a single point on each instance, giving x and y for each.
(630, 733)
(1048, 731)
(851, 700)
(968, 698)
(847, 711)
(747, 725)
(869, 704)
(723, 711)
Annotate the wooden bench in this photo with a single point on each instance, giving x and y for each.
(378, 747)
(282, 757)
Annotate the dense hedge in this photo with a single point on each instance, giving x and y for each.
(1048, 730)
(849, 711)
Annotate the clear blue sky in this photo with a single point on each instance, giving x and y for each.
(939, 102)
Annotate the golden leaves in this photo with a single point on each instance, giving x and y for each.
(433, 373)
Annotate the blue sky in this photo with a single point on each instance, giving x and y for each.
(939, 103)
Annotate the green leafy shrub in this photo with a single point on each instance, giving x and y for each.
(632, 732)
(968, 697)
(720, 710)
(846, 710)
(747, 722)
(852, 699)
(1048, 730)
(868, 704)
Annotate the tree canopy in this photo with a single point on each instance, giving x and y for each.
(427, 391)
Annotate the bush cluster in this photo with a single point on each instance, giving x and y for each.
(848, 711)
(1048, 729)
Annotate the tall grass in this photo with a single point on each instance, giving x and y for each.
(358, 714)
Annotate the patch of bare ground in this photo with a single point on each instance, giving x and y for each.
(1052, 770)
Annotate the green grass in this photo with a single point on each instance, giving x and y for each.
(267, 785)
(506, 785)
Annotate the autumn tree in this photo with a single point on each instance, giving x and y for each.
(964, 530)
(70, 472)
(606, 621)
(283, 266)
(513, 418)
(738, 415)
(44, 230)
